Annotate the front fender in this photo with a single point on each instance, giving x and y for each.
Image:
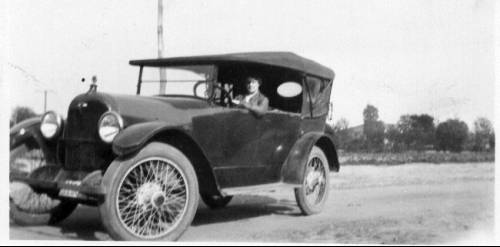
(24, 130)
(293, 168)
(136, 136)
(29, 131)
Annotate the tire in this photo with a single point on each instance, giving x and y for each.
(216, 202)
(313, 193)
(143, 186)
(26, 206)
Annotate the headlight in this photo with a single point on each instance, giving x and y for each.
(51, 125)
(109, 126)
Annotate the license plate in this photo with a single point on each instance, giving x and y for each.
(68, 193)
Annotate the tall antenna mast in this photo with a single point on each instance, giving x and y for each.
(161, 51)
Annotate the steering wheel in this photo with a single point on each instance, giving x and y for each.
(213, 92)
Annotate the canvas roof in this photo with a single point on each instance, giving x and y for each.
(280, 59)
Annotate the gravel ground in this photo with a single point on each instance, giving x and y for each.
(406, 204)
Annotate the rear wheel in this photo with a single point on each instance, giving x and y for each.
(151, 196)
(27, 206)
(215, 202)
(313, 193)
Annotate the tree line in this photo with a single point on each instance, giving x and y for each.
(413, 132)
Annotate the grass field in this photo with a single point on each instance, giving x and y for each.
(385, 158)
(368, 176)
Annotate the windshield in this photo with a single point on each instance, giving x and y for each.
(192, 80)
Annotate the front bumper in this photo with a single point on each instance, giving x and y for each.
(84, 188)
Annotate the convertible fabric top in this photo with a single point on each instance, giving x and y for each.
(280, 59)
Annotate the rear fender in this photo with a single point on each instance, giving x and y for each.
(293, 168)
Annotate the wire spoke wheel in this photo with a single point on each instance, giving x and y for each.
(313, 193)
(315, 182)
(152, 198)
(152, 195)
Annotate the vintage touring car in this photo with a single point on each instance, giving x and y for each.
(146, 159)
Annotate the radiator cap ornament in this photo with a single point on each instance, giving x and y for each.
(93, 86)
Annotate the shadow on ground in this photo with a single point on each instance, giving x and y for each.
(85, 222)
(244, 207)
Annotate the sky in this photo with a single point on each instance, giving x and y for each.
(402, 56)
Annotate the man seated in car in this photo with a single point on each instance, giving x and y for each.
(253, 100)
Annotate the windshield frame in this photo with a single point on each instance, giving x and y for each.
(211, 82)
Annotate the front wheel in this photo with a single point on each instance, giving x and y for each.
(313, 193)
(150, 196)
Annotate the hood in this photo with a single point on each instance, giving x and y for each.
(176, 110)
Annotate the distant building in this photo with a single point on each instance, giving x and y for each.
(357, 131)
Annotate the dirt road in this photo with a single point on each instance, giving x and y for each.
(410, 204)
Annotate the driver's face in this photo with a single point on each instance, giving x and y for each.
(252, 86)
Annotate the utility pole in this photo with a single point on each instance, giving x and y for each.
(45, 92)
(44, 100)
(161, 51)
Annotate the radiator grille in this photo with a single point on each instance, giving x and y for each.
(83, 150)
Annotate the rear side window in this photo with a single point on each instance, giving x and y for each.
(316, 96)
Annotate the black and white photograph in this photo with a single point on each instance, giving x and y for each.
(249, 122)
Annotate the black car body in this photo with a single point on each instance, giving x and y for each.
(231, 149)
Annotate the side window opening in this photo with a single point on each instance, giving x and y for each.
(286, 101)
(272, 78)
(316, 96)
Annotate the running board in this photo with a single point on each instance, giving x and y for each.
(257, 188)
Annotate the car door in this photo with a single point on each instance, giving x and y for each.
(238, 166)
(279, 131)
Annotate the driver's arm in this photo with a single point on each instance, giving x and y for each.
(237, 100)
(259, 108)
